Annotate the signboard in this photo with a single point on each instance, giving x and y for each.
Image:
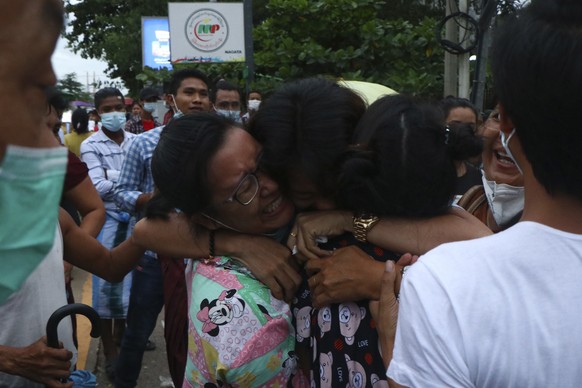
(155, 42)
(206, 32)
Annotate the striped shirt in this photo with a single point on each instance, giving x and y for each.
(104, 158)
(136, 173)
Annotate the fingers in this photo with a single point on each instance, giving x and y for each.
(314, 266)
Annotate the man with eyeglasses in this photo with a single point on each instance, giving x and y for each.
(226, 100)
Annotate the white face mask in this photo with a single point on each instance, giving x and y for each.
(177, 111)
(505, 145)
(254, 104)
(505, 201)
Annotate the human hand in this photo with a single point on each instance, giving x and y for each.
(309, 226)
(272, 264)
(401, 265)
(349, 274)
(385, 312)
(41, 363)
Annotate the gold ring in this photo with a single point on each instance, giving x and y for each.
(293, 234)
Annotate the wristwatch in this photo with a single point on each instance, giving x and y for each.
(362, 223)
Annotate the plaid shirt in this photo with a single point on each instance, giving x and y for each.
(136, 126)
(135, 177)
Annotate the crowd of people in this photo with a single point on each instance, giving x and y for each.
(311, 241)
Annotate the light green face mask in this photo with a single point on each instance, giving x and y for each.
(31, 183)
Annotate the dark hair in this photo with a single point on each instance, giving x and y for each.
(401, 163)
(56, 100)
(451, 102)
(104, 93)
(180, 163)
(537, 67)
(222, 85)
(306, 125)
(180, 75)
(254, 91)
(80, 121)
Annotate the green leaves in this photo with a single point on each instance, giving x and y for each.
(389, 42)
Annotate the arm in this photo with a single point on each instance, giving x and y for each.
(87, 201)
(37, 362)
(83, 251)
(128, 194)
(417, 235)
(103, 185)
(268, 260)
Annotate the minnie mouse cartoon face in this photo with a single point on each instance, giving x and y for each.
(220, 311)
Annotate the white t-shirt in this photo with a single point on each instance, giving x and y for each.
(500, 311)
(24, 315)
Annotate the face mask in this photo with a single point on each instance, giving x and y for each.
(231, 114)
(177, 112)
(254, 104)
(30, 178)
(505, 145)
(505, 201)
(150, 106)
(113, 121)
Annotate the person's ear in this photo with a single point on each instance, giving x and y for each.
(169, 101)
(505, 122)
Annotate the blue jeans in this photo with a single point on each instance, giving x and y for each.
(145, 303)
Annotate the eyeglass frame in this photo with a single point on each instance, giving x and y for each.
(252, 175)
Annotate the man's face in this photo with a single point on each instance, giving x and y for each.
(29, 33)
(227, 100)
(239, 156)
(255, 96)
(111, 104)
(192, 96)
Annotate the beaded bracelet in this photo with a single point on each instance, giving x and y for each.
(211, 243)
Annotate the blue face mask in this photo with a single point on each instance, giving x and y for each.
(150, 106)
(234, 115)
(31, 184)
(113, 121)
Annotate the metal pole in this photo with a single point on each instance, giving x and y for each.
(478, 92)
(463, 60)
(451, 61)
(249, 48)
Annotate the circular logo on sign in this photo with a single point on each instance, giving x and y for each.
(206, 30)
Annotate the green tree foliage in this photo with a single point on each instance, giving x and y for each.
(72, 89)
(386, 41)
(346, 38)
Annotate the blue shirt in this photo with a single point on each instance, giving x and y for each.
(135, 177)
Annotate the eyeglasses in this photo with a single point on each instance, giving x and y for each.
(246, 190)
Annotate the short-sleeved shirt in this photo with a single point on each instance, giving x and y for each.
(499, 311)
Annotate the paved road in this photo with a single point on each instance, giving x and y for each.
(154, 372)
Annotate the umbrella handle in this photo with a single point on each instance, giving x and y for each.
(52, 335)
